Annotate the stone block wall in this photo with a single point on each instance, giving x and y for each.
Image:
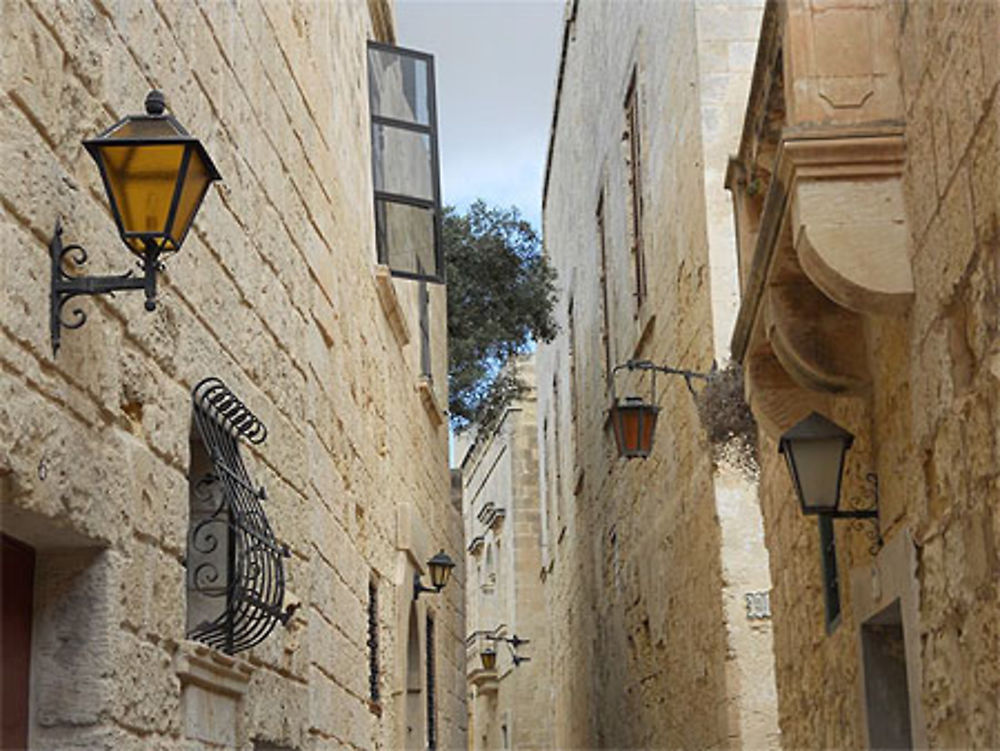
(929, 428)
(643, 593)
(275, 292)
(509, 707)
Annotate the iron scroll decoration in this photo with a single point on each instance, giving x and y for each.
(232, 532)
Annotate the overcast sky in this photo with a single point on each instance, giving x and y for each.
(496, 63)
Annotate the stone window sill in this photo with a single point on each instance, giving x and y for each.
(425, 388)
(390, 304)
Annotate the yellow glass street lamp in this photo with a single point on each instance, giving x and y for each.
(156, 176)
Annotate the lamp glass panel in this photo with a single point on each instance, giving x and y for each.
(816, 466)
(489, 658)
(440, 574)
(630, 429)
(196, 182)
(142, 179)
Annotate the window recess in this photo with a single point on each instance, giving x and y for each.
(405, 167)
(235, 569)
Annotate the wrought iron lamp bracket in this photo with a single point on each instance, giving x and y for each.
(65, 287)
(419, 587)
(867, 512)
(512, 642)
(647, 365)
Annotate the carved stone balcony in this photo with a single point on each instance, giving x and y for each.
(817, 188)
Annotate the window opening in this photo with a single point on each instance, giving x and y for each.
(887, 695)
(235, 570)
(373, 666)
(605, 303)
(405, 167)
(573, 389)
(634, 157)
(431, 697)
(831, 583)
(557, 453)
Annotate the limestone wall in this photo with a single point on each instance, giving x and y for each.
(510, 706)
(929, 428)
(275, 292)
(649, 639)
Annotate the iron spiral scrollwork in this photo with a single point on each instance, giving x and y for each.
(233, 556)
(874, 532)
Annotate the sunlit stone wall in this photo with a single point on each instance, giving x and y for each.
(275, 292)
(647, 562)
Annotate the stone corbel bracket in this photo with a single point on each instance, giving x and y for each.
(847, 219)
(832, 250)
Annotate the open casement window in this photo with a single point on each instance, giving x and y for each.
(235, 566)
(405, 162)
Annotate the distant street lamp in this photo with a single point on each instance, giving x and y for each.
(489, 658)
(634, 419)
(155, 176)
(440, 567)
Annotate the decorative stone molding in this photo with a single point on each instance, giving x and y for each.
(390, 304)
(212, 689)
(817, 188)
(476, 546)
(485, 681)
(847, 220)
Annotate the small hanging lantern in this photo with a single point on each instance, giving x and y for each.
(634, 419)
(634, 423)
(489, 658)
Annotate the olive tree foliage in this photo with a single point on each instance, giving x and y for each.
(501, 295)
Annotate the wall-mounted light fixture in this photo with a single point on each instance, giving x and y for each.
(634, 418)
(512, 642)
(440, 567)
(155, 175)
(814, 450)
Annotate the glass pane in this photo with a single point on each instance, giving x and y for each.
(402, 162)
(142, 180)
(397, 85)
(405, 237)
(818, 465)
(195, 183)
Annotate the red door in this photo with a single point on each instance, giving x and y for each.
(17, 561)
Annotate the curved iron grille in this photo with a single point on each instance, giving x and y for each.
(232, 552)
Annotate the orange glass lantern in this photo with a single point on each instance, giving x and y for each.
(634, 423)
(634, 419)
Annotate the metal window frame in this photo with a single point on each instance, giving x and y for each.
(431, 131)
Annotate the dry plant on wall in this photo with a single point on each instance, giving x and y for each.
(727, 419)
